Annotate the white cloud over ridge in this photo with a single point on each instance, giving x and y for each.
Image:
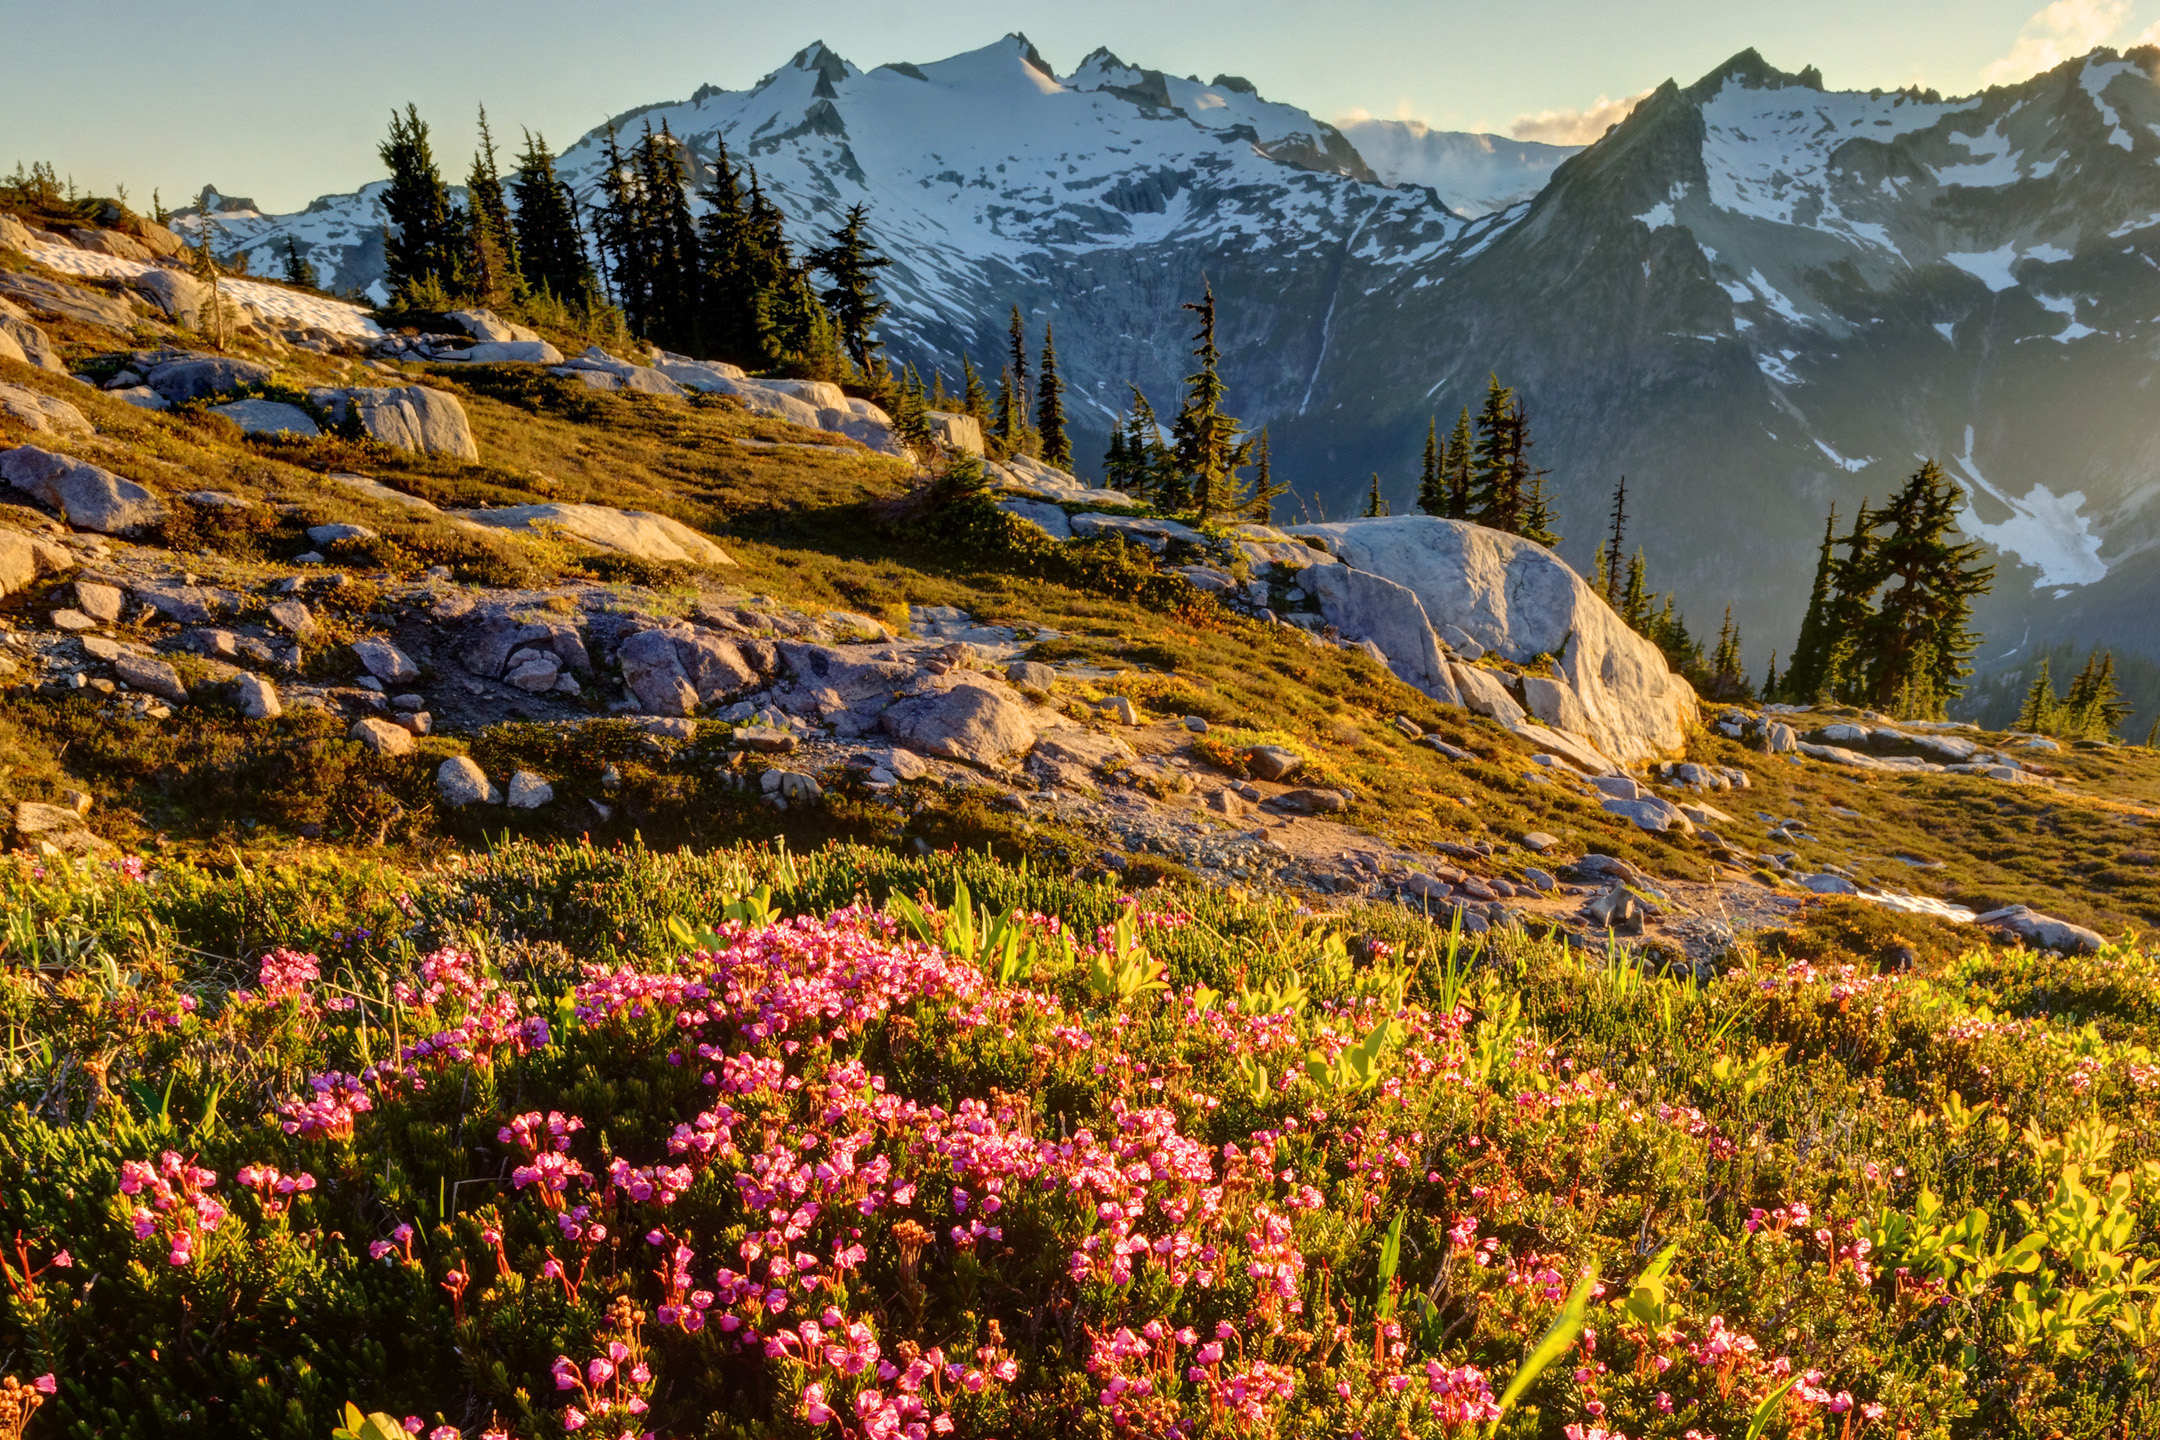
(2062, 31)
(1575, 127)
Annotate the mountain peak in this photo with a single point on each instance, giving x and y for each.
(1752, 71)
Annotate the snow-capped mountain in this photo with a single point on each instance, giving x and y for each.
(1471, 174)
(1754, 297)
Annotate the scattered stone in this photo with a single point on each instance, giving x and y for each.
(460, 782)
(294, 618)
(1453, 752)
(1272, 762)
(385, 661)
(765, 740)
(1619, 787)
(1826, 884)
(663, 728)
(72, 302)
(100, 648)
(1031, 676)
(382, 737)
(1539, 880)
(1313, 802)
(72, 621)
(1485, 694)
(408, 417)
(2041, 932)
(408, 701)
(269, 417)
(257, 697)
(418, 722)
(1778, 738)
(331, 534)
(1226, 803)
(907, 766)
(1121, 710)
(528, 791)
(1653, 813)
(1537, 842)
(1617, 909)
(978, 719)
(33, 408)
(198, 377)
(535, 675)
(88, 496)
(790, 787)
(98, 601)
(140, 672)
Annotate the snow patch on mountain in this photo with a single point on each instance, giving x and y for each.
(2044, 530)
(1990, 267)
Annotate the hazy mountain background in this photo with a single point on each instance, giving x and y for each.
(1755, 297)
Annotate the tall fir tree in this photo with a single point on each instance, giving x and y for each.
(1009, 427)
(1601, 575)
(1917, 638)
(1016, 356)
(1116, 468)
(1204, 441)
(1616, 542)
(493, 274)
(1727, 680)
(551, 247)
(618, 230)
(670, 243)
(422, 244)
(1635, 595)
(1537, 516)
(1495, 499)
(1152, 470)
(1806, 673)
(1265, 492)
(852, 261)
(2037, 715)
(299, 270)
(1432, 496)
(1050, 407)
(203, 265)
(2094, 706)
(729, 323)
(974, 400)
(1457, 468)
(1375, 505)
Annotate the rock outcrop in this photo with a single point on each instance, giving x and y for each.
(404, 417)
(631, 532)
(37, 410)
(90, 496)
(1520, 600)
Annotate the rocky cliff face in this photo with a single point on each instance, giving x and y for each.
(1755, 297)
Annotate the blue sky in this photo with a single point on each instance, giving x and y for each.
(284, 101)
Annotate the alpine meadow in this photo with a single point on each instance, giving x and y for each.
(972, 749)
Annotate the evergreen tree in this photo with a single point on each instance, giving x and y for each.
(1770, 676)
(973, 400)
(1265, 491)
(1432, 495)
(1204, 441)
(202, 263)
(298, 269)
(1457, 467)
(2094, 706)
(551, 248)
(1009, 428)
(910, 415)
(1017, 357)
(1806, 673)
(1153, 471)
(1635, 597)
(1116, 468)
(493, 275)
(619, 232)
(730, 327)
(1850, 609)
(1495, 501)
(667, 244)
(1050, 407)
(1727, 680)
(1537, 516)
(422, 244)
(2037, 715)
(1375, 507)
(1601, 576)
(1918, 637)
(851, 261)
(1616, 543)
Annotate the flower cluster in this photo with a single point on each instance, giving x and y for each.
(173, 1202)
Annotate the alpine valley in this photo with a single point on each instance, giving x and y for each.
(1754, 297)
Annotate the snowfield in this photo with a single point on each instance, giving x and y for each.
(289, 307)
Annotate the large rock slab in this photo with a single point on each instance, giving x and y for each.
(269, 417)
(29, 344)
(1365, 606)
(404, 417)
(955, 432)
(198, 377)
(24, 559)
(180, 295)
(1071, 758)
(654, 675)
(488, 327)
(1155, 534)
(1518, 598)
(71, 302)
(2041, 932)
(90, 496)
(512, 352)
(973, 718)
(37, 410)
(1485, 693)
(631, 532)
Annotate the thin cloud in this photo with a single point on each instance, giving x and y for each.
(1575, 127)
(2063, 31)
